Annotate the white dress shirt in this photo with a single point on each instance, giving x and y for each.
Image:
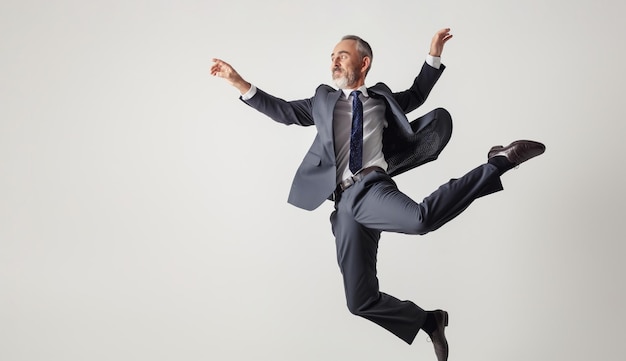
(374, 123)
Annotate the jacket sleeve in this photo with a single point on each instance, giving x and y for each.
(297, 112)
(416, 95)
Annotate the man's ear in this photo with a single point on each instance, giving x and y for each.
(365, 64)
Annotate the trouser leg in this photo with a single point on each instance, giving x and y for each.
(375, 204)
(378, 203)
(357, 247)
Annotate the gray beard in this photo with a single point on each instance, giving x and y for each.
(344, 81)
(341, 82)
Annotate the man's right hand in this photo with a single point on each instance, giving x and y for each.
(223, 70)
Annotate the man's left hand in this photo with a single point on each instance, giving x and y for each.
(439, 40)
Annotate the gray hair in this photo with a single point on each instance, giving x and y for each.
(362, 47)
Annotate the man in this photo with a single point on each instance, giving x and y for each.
(363, 139)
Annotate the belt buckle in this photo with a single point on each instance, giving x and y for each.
(347, 183)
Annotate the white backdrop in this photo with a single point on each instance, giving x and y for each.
(143, 210)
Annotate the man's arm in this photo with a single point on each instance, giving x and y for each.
(415, 96)
(298, 112)
(286, 112)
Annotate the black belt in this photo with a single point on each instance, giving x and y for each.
(348, 182)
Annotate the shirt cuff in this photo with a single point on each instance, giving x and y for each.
(249, 94)
(434, 61)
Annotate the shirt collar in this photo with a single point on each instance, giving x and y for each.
(362, 89)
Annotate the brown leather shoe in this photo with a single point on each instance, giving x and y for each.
(518, 152)
(438, 336)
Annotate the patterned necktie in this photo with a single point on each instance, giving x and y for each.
(356, 135)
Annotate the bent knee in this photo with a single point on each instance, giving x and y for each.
(421, 228)
(422, 224)
(358, 307)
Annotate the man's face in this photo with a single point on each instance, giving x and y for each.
(347, 67)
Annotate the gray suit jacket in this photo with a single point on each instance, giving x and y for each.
(405, 144)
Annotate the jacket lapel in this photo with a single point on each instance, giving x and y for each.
(398, 116)
(326, 99)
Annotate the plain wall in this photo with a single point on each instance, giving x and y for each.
(143, 210)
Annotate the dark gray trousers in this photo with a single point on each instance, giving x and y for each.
(375, 204)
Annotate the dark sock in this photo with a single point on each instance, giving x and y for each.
(430, 324)
(502, 163)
